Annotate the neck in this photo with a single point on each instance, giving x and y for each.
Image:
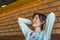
(37, 29)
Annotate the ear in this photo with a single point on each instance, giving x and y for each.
(43, 22)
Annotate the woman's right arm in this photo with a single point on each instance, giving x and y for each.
(22, 24)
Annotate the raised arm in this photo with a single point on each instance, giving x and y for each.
(49, 25)
(22, 24)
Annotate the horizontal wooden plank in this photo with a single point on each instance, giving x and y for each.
(11, 33)
(10, 16)
(29, 14)
(57, 13)
(9, 23)
(58, 8)
(53, 31)
(50, 10)
(57, 3)
(41, 11)
(9, 30)
(57, 31)
(57, 25)
(57, 19)
(47, 1)
(44, 6)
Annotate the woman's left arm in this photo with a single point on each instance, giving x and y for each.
(49, 26)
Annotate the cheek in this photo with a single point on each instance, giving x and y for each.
(38, 21)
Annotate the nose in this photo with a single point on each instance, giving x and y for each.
(34, 20)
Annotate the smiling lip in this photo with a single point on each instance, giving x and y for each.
(33, 23)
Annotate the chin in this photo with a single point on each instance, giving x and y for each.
(34, 25)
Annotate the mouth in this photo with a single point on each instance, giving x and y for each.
(33, 23)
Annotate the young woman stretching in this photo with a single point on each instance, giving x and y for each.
(40, 32)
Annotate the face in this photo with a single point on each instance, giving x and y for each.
(36, 21)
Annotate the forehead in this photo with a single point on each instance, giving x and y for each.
(36, 15)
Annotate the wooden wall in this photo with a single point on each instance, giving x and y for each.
(9, 23)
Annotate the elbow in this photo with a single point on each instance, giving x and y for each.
(19, 20)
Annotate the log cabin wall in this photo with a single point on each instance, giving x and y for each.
(9, 27)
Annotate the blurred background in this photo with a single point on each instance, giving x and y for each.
(10, 10)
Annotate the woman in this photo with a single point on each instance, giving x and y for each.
(38, 21)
